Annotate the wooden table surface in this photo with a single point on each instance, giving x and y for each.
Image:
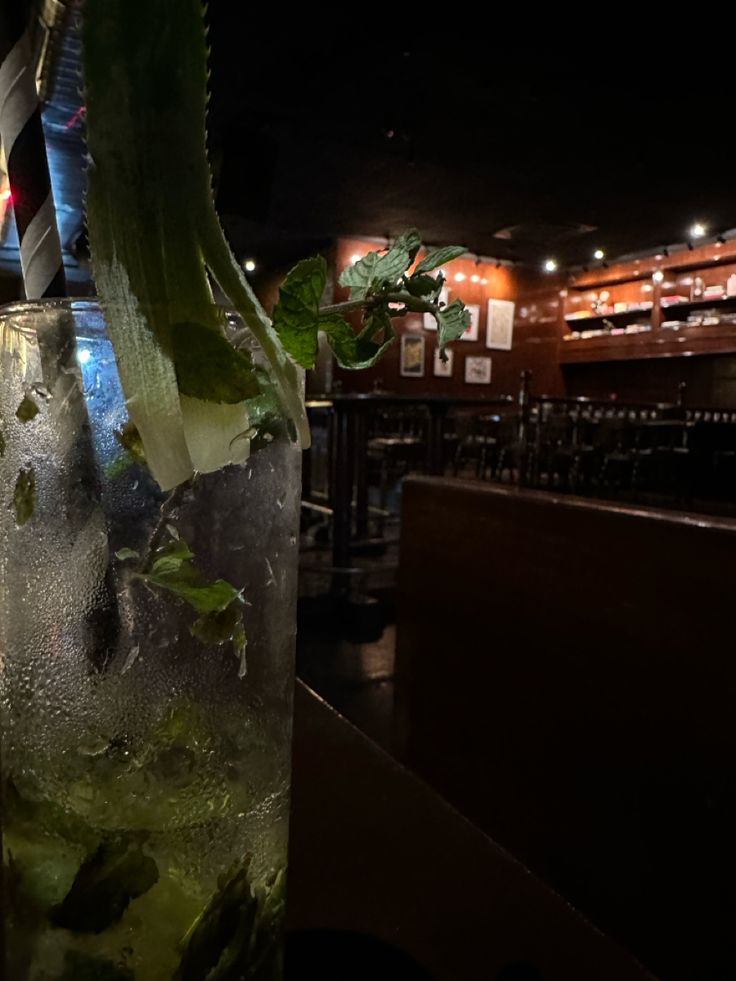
(375, 850)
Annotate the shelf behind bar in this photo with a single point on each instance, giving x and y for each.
(702, 302)
(701, 256)
(607, 316)
(661, 343)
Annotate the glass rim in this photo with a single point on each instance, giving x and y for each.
(78, 307)
(80, 302)
(50, 303)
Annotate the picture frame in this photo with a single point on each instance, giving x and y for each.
(500, 324)
(428, 321)
(477, 369)
(471, 334)
(443, 369)
(412, 356)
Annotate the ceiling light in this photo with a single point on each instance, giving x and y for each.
(657, 275)
(459, 277)
(354, 259)
(249, 265)
(598, 254)
(475, 278)
(550, 265)
(698, 230)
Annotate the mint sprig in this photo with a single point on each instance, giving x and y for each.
(381, 288)
(438, 257)
(171, 568)
(375, 271)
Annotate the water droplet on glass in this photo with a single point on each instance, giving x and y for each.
(93, 746)
(130, 659)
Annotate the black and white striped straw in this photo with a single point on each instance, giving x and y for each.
(21, 133)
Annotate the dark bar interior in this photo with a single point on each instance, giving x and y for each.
(513, 738)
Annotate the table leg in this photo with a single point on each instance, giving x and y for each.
(343, 456)
(361, 474)
(437, 413)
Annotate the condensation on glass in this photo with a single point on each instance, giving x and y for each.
(145, 764)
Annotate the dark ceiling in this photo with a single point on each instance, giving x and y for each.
(617, 141)
(518, 148)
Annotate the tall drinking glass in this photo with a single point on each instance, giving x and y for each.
(146, 674)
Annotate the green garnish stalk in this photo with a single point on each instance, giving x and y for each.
(155, 236)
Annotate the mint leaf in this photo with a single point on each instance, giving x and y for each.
(409, 242)
(188, 584)
(208, 367)
(27, 409)
(355, 351)
(219, 941)
(240, 643)
(126, 553)
(108, 879)
(130, 439)
(423, 285)
(438, 257)
(220, 625)
(452, 322)
(375, 271)
(218, 603)
(296, 315)
(172, 568)
(169, 558)
(24, 496)
(376, 321)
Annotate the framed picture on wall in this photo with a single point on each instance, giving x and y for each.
(412, 356)
(500, 327)
(442, 369)
(428, 320)
(477, 370)
(471, 334)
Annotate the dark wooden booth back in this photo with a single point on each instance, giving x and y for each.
(566, 676)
